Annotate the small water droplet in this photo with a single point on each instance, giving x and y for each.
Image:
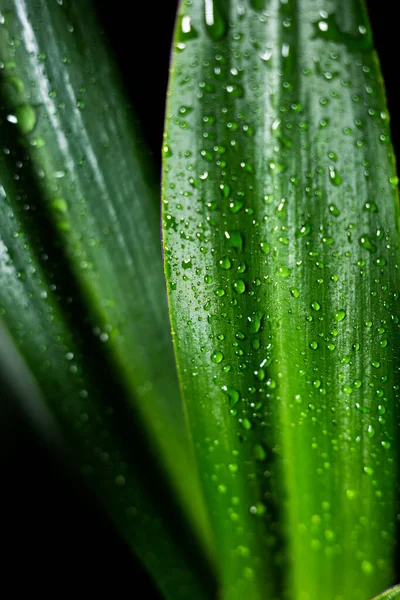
(120, 480)
(366, 243)
(340, 315)
(225, 263)
(234, 240)
(351, 494)
(232, 394)
(25, 116)
(334, 176)
(284, 271)
(217, 357)
(367, 567)
(239, 286)
(333, 209)
(215, 18)
(254, 322)
(259, 452)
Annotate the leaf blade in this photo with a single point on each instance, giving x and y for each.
(88, 404)
(390, 594)
(100, 192)
(277, 150)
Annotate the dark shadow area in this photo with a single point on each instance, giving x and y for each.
(53, 534)
(142, 45)
(385, 31)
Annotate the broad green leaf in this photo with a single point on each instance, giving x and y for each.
(281, 232)
(41, 308)
(391, 594)
(63, 99)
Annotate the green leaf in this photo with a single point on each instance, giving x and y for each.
(281, 233)
(75, 127)
(391, 594)
(42, 310)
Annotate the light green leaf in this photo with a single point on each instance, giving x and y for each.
(64, 102)
(391, 594)
(281, 233)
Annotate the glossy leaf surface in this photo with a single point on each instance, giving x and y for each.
(281, 231)
(391, 594)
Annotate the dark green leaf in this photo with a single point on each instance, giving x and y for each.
(41, 310)
(63, 98)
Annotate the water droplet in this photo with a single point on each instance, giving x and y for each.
(371, 207)
(235, 240)
(247, 424)
(217, 357)
(59, 205)
(295, 293)
(166, 150)
(185, 29)
(366, 243)
(242, 551)
(254, 322)
(239, 286)
(232, 394)
(120, 480)
(315, 305)
(25, 116)
(236, 205)
(259, 453)
(259, 509)
(313, 345)
(225, 263)
(333, 209)
(334, 176)
(367, 567)
(248, 573)
(340, 315)
(284, 271)
(265, 248)
(351, 494)
(186, 264)
(215, 18)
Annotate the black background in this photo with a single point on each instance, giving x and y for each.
(52, 535)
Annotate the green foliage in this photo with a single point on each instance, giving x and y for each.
(281, 244)
(280, 239)
(79, 228)
(391, 594)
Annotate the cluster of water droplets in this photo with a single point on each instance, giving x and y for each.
(287, 254)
